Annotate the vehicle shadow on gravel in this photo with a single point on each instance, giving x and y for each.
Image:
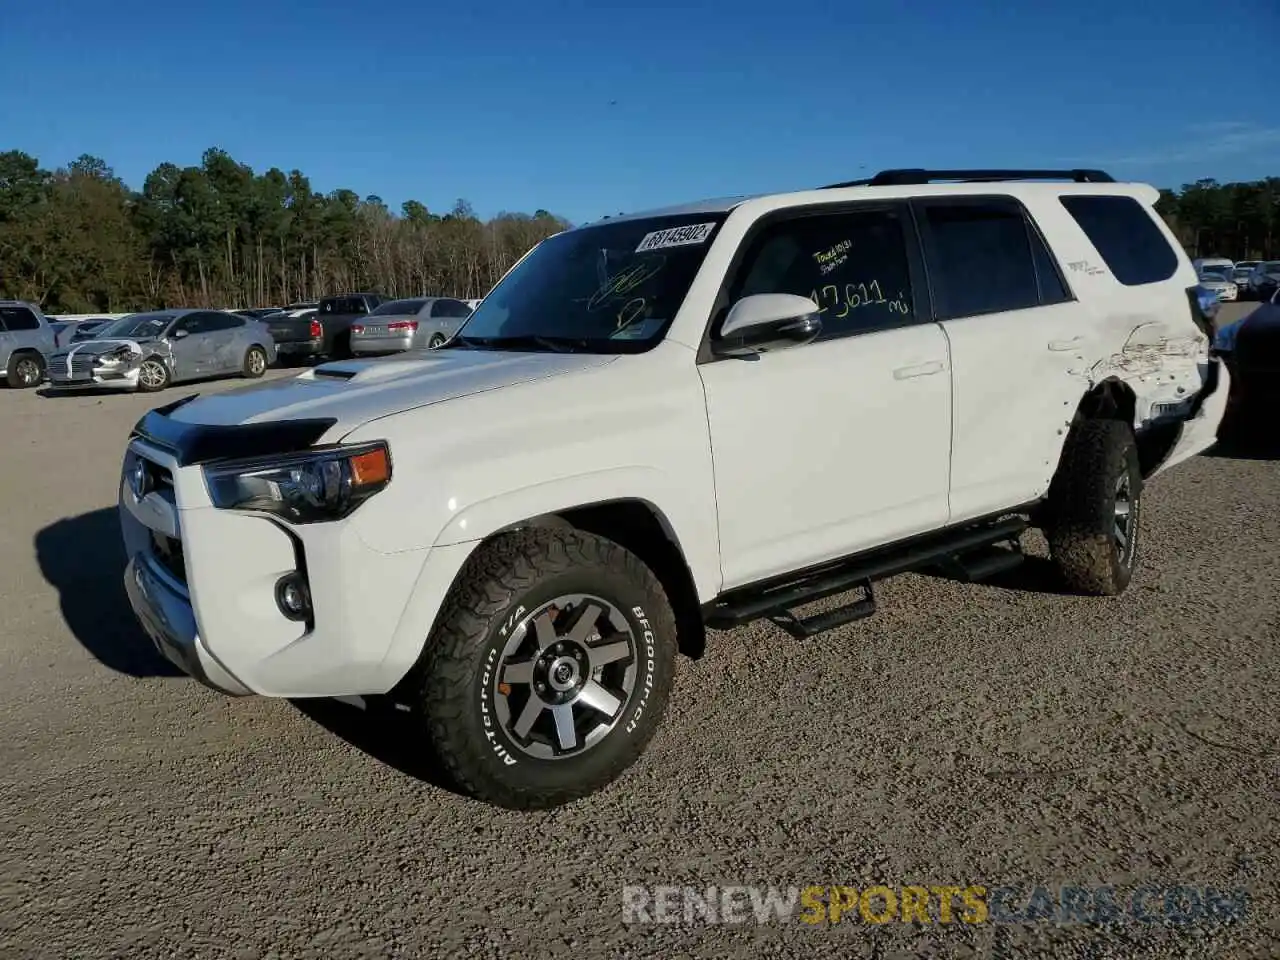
(83, 558)
(1252, 447)
(389, 736)
(1033, 575)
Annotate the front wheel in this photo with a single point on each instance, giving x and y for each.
(26, 370)
(153, 375)
(255, 362)
(1094, 508)
(549, 668)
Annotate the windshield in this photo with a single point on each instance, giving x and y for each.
(140, 325)
(612, 288)
(398, 306)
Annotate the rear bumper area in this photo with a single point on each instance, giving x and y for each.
(1199, 429)
(373, 345)
(299, 348)
(164, 611)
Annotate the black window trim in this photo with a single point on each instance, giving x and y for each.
(921, 296)
(1033, 233)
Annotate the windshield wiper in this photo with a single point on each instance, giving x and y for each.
(521, 341)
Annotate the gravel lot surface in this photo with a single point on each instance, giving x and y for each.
(997, 734)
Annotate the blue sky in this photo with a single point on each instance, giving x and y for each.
(588, 108)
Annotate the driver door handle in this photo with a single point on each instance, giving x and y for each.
(1060, 346)
(920, 370)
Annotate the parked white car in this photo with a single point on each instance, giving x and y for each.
(660, 422)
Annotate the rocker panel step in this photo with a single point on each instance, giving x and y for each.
(746, 604)
(805, 627)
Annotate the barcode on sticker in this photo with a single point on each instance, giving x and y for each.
(676, 237)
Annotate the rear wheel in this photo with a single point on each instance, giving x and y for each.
(1094, 508)
(26, 370)
(153, 375)
(549, 668)
(436, 340)
(255, 362)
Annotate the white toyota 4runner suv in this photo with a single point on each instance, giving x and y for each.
(657, 423)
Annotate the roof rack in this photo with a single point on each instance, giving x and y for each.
(912, 177)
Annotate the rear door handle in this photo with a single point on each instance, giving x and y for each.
(1060, 346)
(920, 370)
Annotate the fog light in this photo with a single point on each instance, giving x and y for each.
(293, 597)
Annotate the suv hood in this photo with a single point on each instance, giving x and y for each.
(354, 392)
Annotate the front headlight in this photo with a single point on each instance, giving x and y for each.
(323, 484)
(116, 355)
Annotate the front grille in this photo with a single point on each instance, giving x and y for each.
(168, 554)
(82, 366)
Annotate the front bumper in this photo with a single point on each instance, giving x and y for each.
(163, 608)
(99, 376)
(202, 583)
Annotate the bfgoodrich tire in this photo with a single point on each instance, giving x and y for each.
(1095, 508)
(549, 668)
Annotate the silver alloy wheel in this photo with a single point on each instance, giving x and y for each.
(28, 371)
(1123, 532)
(152, 374)
(565, 676)
(435, 341)
(257, 362)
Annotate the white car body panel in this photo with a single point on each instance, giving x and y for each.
(754, 469)
(824, 450)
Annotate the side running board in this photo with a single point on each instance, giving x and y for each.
(970, 554)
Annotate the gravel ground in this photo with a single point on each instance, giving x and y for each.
(989, 735)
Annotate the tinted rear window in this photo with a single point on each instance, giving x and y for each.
(398, 306)
(1133, 246)
(980, 258)
(15, 319)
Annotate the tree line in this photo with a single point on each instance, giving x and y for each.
(78, 240)
(1240, 221)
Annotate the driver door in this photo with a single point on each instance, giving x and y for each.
(842, 444)
(189, 349)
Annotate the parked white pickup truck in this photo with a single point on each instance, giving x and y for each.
(661, 422)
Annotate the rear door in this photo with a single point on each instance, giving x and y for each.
(223, 333)
(25, 331)
(1018, 342)
(447, 315)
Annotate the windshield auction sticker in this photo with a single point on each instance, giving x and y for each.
(676, 237)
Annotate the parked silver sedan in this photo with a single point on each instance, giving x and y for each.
(415, 323)
(149, 351)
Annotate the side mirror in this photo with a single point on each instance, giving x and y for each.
(179, 334)
(766, 323)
